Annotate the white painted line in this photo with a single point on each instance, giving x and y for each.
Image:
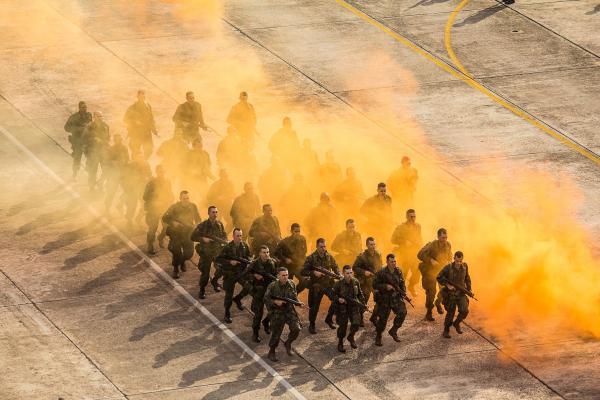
(156, 268)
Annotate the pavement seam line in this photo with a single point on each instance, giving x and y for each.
(453, 70)
(155, 268)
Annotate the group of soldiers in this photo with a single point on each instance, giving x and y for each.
(258, 259)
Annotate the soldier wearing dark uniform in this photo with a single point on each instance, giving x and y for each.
(347, 244)
(434, 255)
(188, 118)
(452, 275)
(291, 253)
(134, 179)
(140, 125)
(366, 265)
(322, 220)
(170, 153)
(96, 138)
(408, 241)
(197, 168)
(282, 312)
(265, 230)
(75, 125)
(210, 235)
(389, 290)
(245, 208)
(403, 184)
(180, 219)
(346, 294)
(262, 272)
(158, 194)
(243, 118)
(232, 270)
(117, 157)
(349, 194)
(377, 211)
(220, 193)
(320, 284)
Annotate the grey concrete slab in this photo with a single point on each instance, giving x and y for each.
(385, 9)
(9, 294)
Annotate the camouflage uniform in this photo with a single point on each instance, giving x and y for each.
(280, 316)
(407, 238)
(117, 157)
(442, 253)
(258, 289)
(140, 126)
(180, 243)
(264, 231)
(245, 208)
(347, 245)
(367, 262)
(389, 300)
(158, 194)
(378, 212)
(208, 251)
(319, 286)
(294, 248)
(452, 300)
(243, 118)
(348, 312)
(75, 125)
(96, 137)
(233, 273)
(188, 119)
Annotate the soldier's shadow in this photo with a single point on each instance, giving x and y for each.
(107, 244)
(71, 237)
(49, 218)
(37, 201)
(480, 15)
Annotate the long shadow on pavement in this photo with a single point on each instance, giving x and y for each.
(71, 237)
(480, 15)
(108, 243)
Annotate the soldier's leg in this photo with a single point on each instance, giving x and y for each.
(450, 305)
(152, 220)
(215, 279)
(400, 311)
(429, 285)
(415, 276)
(331, 309)
(315, 296)
(229, 287)
(176, 249)
(148, 146)
(77, 153)
(243, 293)
(257, 308)
(294, 325)
(277, 325)
(131, 202)
(204, 265)
(462, 304)
(188, 250)
(367, 292)
(382, 317)
(342, 320)
(438, 299)
(91, 166)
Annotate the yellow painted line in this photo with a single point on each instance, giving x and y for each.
(465, 77)
(448, 42)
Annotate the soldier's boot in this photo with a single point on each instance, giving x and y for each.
(312, 328)
(456, 326)
(394, 334)
(161, 241)
(351, 341)
(150, 248)
(215, 284)
(438, 306)
(288, 343)
(373, 319)
(176, 272)
(227, 318)
(184, 266)
(446, 333)
(201, 294)
(429, 316)
(329, 321)
(238, 303)
(256, 338)
(378, 339)
(267, 326)
(272, 356)
(341, 348)
(362, 320)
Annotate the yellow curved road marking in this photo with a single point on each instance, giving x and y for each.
(464, 76)
(448, 42)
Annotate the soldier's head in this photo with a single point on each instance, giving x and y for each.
(237, 235)
(458, 258)
(82, 107)
(282, 274)
(118, 139)
(248, 187)
(267, 210)
(197, 144)
(350, 225)
(295, 229)
(405, 162)
(381, 189)
(264, 253)
(390, 260)
(325, 198)
(442, 235)
(350, 173)
(287, 122)
(411, 215)
(348, 273)
(213, 212)
(189, 96)
(160, 171)
(243, 97)
(184, 196)
(141, 95)
(371, 245)
(98, 116)
(321, 246)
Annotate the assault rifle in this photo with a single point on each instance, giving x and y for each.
(326, 272)
(397, 289)
(363, 307)
(216, 239)
(463, 289)
(289, 301)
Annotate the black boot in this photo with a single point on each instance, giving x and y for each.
(267, 326)
(312, 328)
(227, 318)
(446, 333)
(151, 250)
(394, 334)
(201, 294)
(329, 322)
(272, 356)
(238, 303)
(215, 285)
(456, 325)
(176, 272)
(288, 347)
(439, 308)
(429, 316)
(352, 342)
(183, 266)
(373, 319)
(341, 348)
(378, 339)
(256, 338)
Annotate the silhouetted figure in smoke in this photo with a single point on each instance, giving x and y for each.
(76, 125)
(347, 244)
(295, 199)
(188, 118)
(171, 153)
(235, 157)
(96, 138)
(403, 184)
(330, 173)
(272, 180)
(158, 195)
(197, 169)
(221, 194)
(291, 253)
(455, 273)
(309, 160)
(408, 240)
(265, 230)
(285, 144)
(322, 220)
(117, 158)
(434, 255)
(245, 208)
(377, 211)
(349, 194)
(140, 125)
(243, 118)
(135, 176)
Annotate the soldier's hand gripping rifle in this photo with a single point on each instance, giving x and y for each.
(463, 289)
(289, 301)
(400, 292)
(327, 272)
(362, 306)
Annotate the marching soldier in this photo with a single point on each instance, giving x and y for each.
(243, 118)
(245, 208)
(322, 220)
(170, 153)
(434, 255)
(180, 219)
(377, 211)
(408, 241)
(454, 278)
(188, 118)
(265, 230)
(366, 265)
(210, 235)
(390, 289)
(135, 176)
(197, 168)
(75, 125)
(282, 312)
(96, 137)
(317, 266)
(158, 194)
(403, 184)
(285, 144)
(117, 157)
(231, 262)
(291, 253)
(262, 272)
(347, 244)
(140, 125)
(349, 194)
(349, 303)
(220, 193)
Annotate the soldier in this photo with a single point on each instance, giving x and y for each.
(262, 272)
(265, 230)
(366, 265)
(347, 244)
(231, 264)
(197, 168)
(117, 157)
(245, 208)
(75, 125)
(135, 176)
(403, 184)
(408, 241)
(389, 291)
(170, 153)
(140, 125)
(295, 198)
(221, 194)
(243, 118)
(309, 160)
(377, 211)
(276, 172)
(211, 237)
(180, 219)
(348, 298)
(284, 143)
(434, 255)
(349, 194)
(330, 172)
(321, 284)
(291, 253)
(282, 312)
(322, 219)
(96, 137)
(188, 118)
(453, 275)
(158, 194)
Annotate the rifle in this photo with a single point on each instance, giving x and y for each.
(266, 276)
(397, 289)
(464, 290)
(358, 303)
(216, 239)
(326, 272)
(289, 301)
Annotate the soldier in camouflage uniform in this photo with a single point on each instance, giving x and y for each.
(75, 125)
(117, 157)
(291, 253)
(245, 208)
(210, 235)
(455, 273)
(230, 263)
(140, 125)
(320, 283)
(265, 231)
(346, 293)
(377, 211)
(408, 241)
(134, 177)
(389, 290)
(281, 312)
(365, 267)
(347, 244)
(188, 118)
(180, 219)
(96, 137)
(434, 255)
(262, 272)
(158, 194)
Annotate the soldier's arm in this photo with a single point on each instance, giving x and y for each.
(267, 299)
(358, 267)
(167, 217)
(423, 254)
(334, 266)
(197, 218)
(378, 283)
(396, 236)
(307, 267)
(177, 116)
(467, 278)
(254, 228)
(402, 282)
(197, 233)
(69, 124)
(442, 277)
